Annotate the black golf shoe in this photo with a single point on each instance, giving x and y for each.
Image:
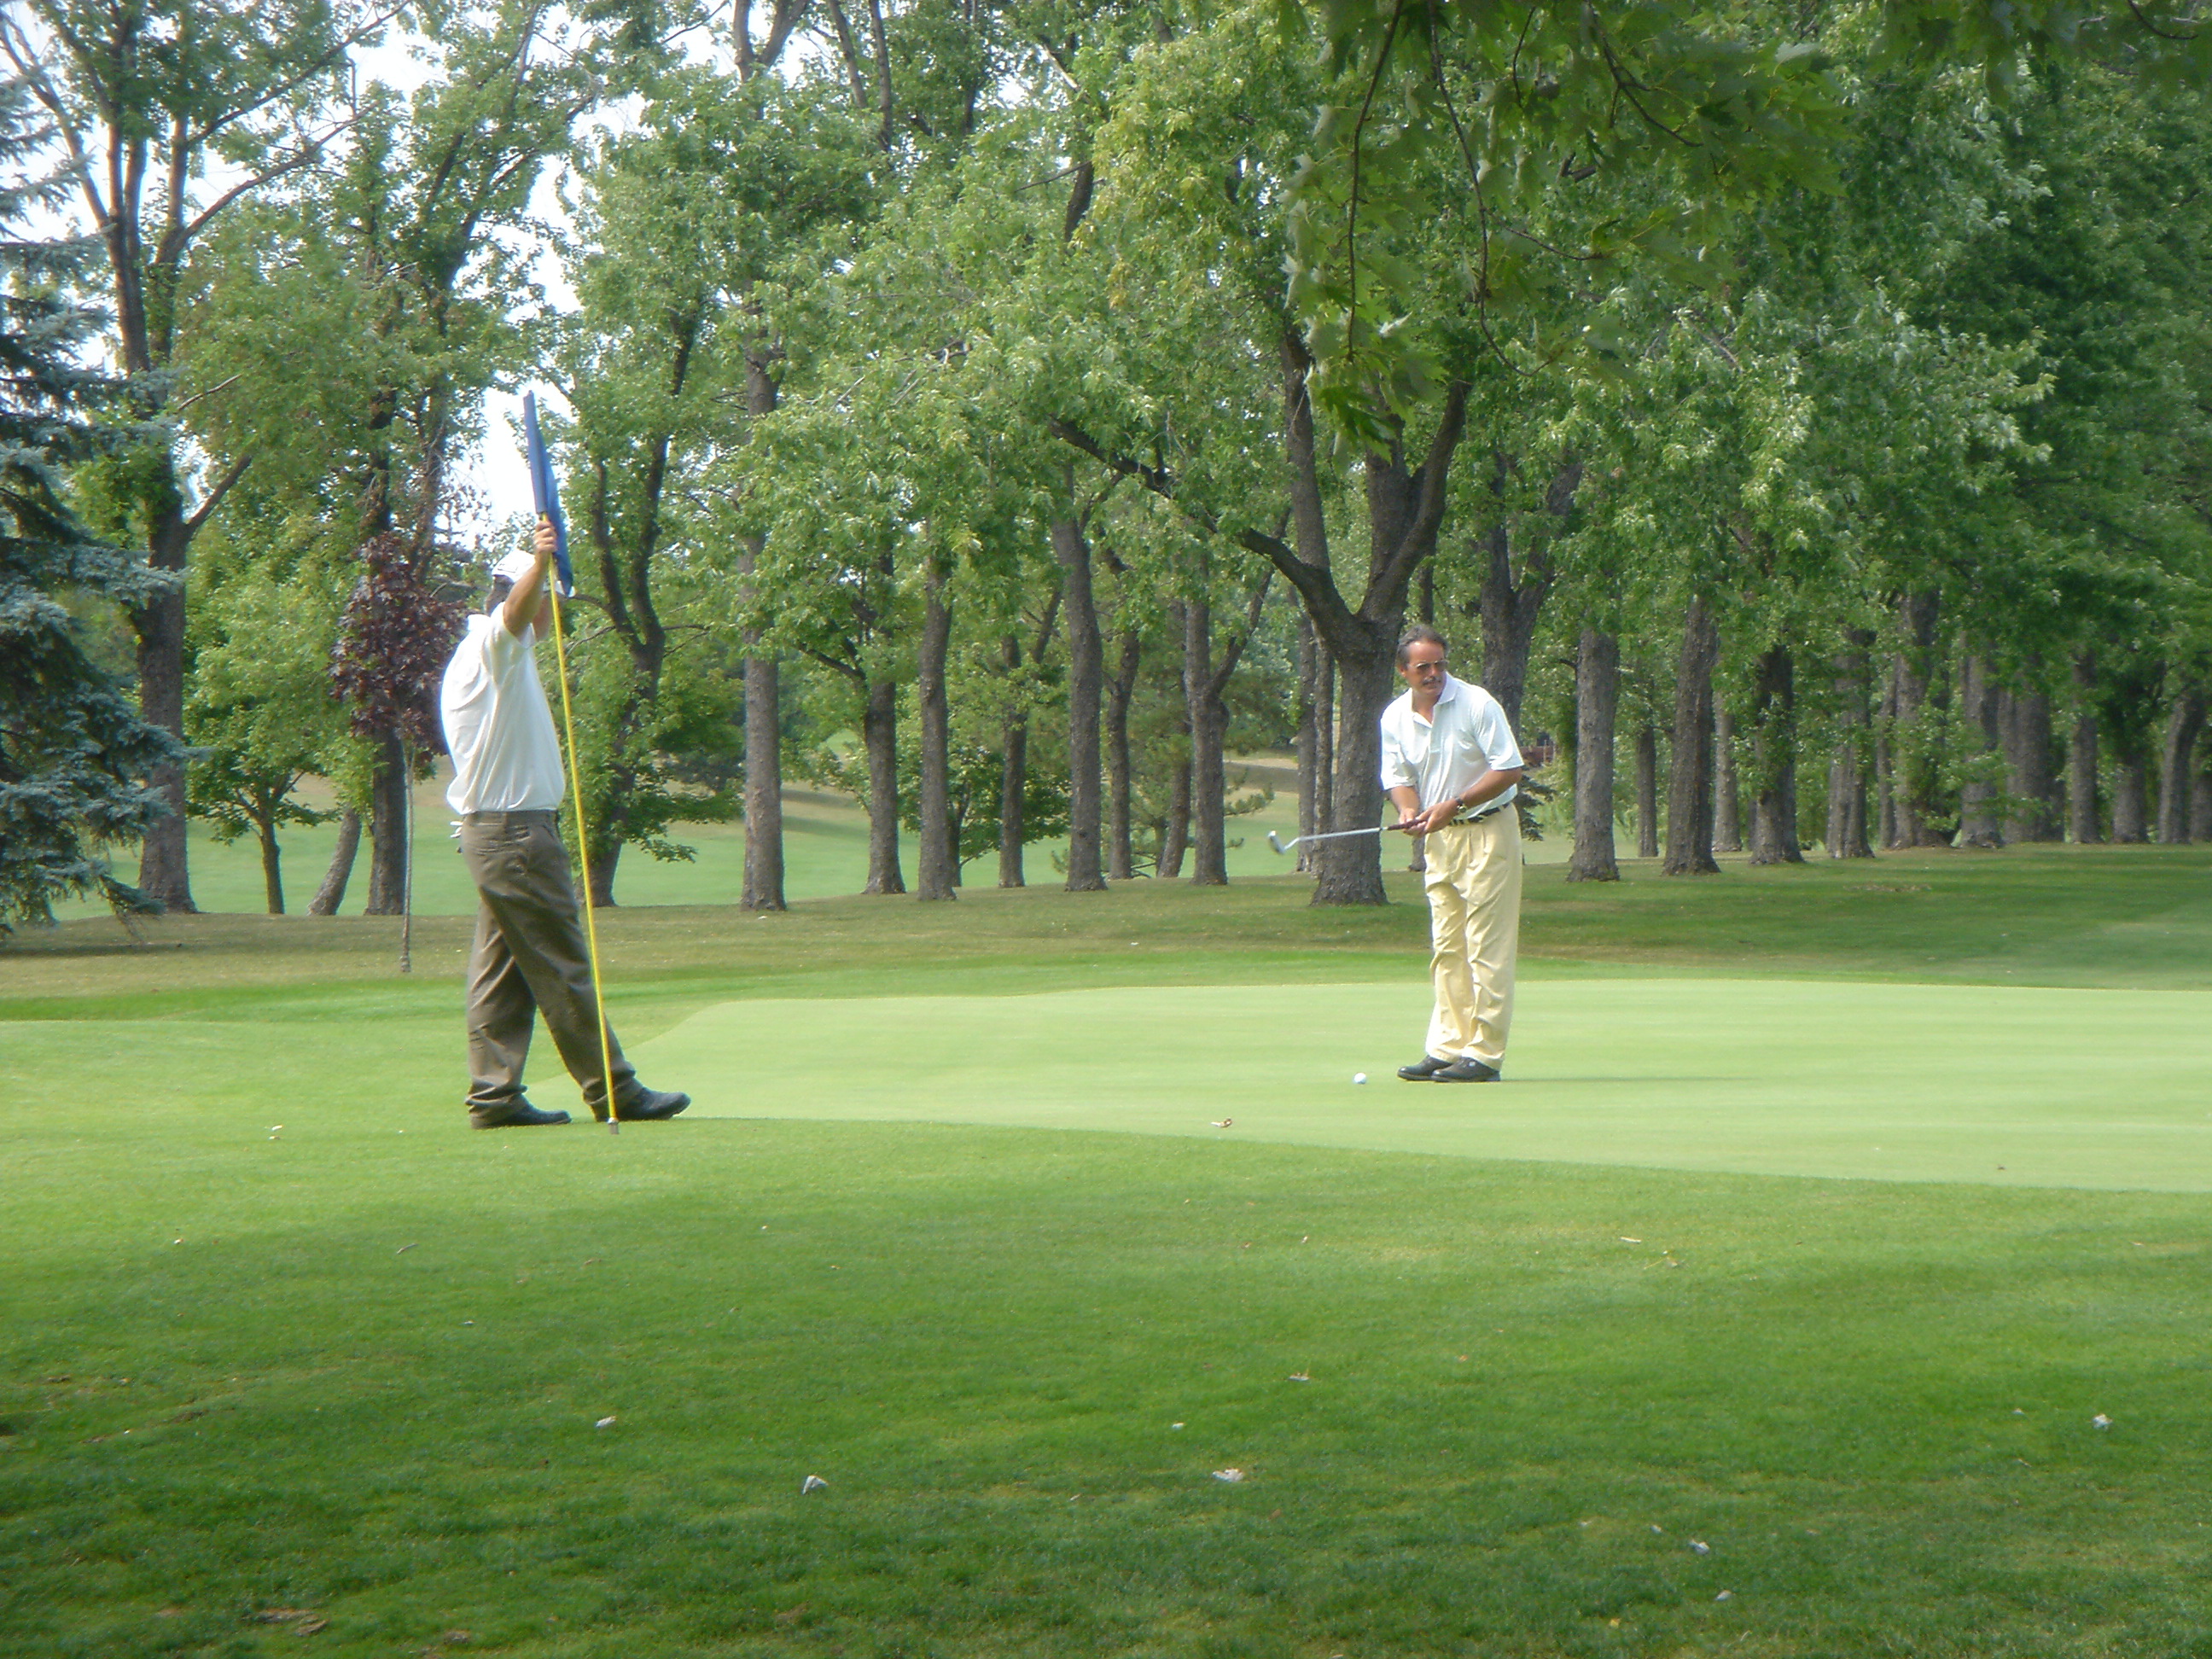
(1467, 1069)
(516, 1114)
(648, 1106)
(1422, 1070)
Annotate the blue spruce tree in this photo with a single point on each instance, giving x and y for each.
(74, 755)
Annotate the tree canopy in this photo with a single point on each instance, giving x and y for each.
(1010, 413)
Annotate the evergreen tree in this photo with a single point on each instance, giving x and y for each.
(75, 757)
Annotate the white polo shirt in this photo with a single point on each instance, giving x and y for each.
(1440, 757)
(499, 727)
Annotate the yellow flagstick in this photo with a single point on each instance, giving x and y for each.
(583, 855)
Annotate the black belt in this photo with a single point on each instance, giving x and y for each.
(1476, 817)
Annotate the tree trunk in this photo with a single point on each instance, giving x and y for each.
(1324, 801)
(2030, 776)
(1406, 512)
(2184, 724)
(1774, 760)
(1847, 770)
(1847, 803)
(1013, 774)
(1917, 737)
(2131, 798)
(387, 830)
(1647, 791)
(163, 871)
(2200, 800)
(272, 874)
(1086, 677)
(1885, 776)
(939, 857)
(407, 859)
(1325, 740)
(1209, 849)
(1597, 698)
(1169, 863)
(2082, 822)
(606, 858)
(1366, 650)
(1120, 853)
(1728, 787)
(1355, 875)
(332, 893)
(1310, 537)
(1312, 722)
(879, 733)
(764, 789)
(1510, 608)
(1013, 783)
(1977, 711)
(1508, 614)
(1690, 789)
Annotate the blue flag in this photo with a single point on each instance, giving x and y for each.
(543, 488)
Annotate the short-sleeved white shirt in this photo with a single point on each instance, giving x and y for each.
(499, 727)
(1440, 758)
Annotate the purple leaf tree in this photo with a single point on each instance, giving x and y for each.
(398, 631)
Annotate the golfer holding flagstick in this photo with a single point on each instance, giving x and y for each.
(531, 956)
(1452, 768)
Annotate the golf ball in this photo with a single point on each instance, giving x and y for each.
(1359, 1077)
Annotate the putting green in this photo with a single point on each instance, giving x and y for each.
(2035, 1087)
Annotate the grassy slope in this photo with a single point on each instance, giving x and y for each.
(2137, 917)
(364, 1383)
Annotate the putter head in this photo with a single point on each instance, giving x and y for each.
(1274, 840)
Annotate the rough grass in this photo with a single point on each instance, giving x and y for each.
(349, 1375)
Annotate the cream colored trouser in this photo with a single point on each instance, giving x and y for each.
(1473, 885)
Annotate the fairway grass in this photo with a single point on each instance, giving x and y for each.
(357, 1374)
(1494, 1390)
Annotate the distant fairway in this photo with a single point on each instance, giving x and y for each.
(1996, 1086)
(825, 853)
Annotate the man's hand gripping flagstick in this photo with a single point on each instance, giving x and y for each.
(547, 501)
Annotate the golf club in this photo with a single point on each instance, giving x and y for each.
(1339, 835)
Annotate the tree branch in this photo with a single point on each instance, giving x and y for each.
(883, 68)
(1317, 588)
(222, 488)
(283, 89)
(851, 54)
(850, 671)
(1431, 494)
(181, 236)
(33, 69)
(1230, 654)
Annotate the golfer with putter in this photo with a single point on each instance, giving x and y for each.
(530, 955)
(1451, 767)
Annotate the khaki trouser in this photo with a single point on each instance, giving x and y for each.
(1474, 885)
(530, 959)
